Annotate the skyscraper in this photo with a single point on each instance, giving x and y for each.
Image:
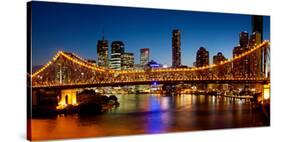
(218, 58)
(221, 72)
(257, 25)
(255, 38)
(127, 61)
(243, 39)
(256, 61)
(244, 42)
(176, 48)
(202, 57)
(238, 67)
(117, 49)
(102, 52)
(144, 56)
(257, 28)
(237, 51)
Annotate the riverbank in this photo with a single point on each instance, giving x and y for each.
(150, 113)
(88, 104)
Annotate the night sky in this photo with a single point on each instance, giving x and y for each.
(76, 28)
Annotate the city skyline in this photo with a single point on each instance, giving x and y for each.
(128, 71)
(84, 39)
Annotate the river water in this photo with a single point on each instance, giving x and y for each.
(148, 114)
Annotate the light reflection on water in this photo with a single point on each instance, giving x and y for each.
(151, 113)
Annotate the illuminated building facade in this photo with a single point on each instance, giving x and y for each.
(237, 66)
(176, 48)
(144, 56)
(102, 52)
(252, 65)
(127, 61)
(202, 57)
(117, 49)
(256, 66)
(218, 58)
(257, 37)
(243, 39)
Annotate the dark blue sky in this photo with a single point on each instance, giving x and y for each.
(76, 28)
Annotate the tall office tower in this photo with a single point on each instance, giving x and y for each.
(255, 39)
(127, 61)
(218, 58)
(176, 48)
(238, 67)
(144, 56)
(202, 57)
(102, 52)
(117, 49)
(257, 25)
(221, 72)
(144, 59)
(243, 39)
(237, 51)
(256, 61)
(257, 28)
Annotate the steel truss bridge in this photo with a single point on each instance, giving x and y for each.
(68, 70)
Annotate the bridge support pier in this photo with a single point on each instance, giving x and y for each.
(67, 97)
(266, 93)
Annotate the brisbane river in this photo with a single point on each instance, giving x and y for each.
(150, 114)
